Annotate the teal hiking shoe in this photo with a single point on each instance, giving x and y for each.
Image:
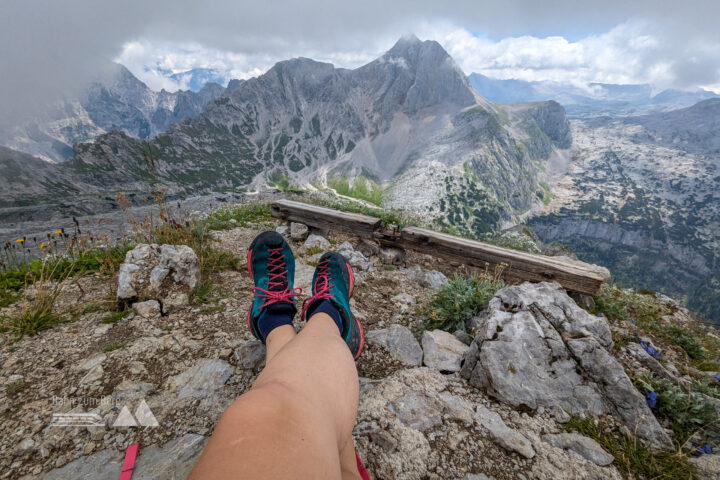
(334, 281)
(271, 265)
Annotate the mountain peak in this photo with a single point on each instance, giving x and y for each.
(410, 46)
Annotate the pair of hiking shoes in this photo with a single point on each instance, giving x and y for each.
(271, 265)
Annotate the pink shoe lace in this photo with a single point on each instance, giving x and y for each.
(277, 276)
(322, 286)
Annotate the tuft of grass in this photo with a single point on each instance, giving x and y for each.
(647, 312)
(238, 216)
(449, 308)
(112, 347)
(631, 457)
(114, 317)
(14, 388)
(313, 251)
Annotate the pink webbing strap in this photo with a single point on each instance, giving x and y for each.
(129, 464)
(361, 468)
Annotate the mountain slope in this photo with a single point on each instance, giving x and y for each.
(118, 101)
(406, 125)
(641, 196)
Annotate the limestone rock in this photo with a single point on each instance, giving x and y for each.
(316, 241)
(405, 301)
(399, 342)
(250, 355)
(201, 380)
(646, 360)
(429, 279)
(583, 446)
(708, 466)
(535, 346)
(392, 256)
(283, 230)
(442, 351)
(166, 273)
(147, 309)
(298, 231)
(501, 434)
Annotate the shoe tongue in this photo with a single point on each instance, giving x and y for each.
(281, 308)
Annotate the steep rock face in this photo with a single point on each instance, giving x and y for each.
(117, 100)
(534, 346)
(407, 123)
(641, 197)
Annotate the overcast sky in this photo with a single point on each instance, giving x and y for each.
(49, 48)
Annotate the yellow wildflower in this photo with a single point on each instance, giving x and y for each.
(58, 232)
(42, 245)
(20, 240)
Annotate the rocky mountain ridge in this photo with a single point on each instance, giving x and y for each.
(117, 100)
(406, 126)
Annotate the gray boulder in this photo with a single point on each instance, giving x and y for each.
(535, 346)
(501, 434)
(298, 231)
(392, 256)
(442, 351)
(426, 278)
(201, 380)
(316, 241)
(399, 342)
(147, 309)
(283, 230)
(250, 355)
(582, 445)
(708, 466)
(166, 273)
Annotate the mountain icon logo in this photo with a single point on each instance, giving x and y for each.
(143, 417)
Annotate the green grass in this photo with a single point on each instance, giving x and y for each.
(13, 388)
(360, 187)
(112, 347)
(114, 317)
(449, 308)
(631, 457)
(647, 312)
(686, 411)
(238, 216)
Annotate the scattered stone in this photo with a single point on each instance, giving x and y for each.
(463, 336)
(647, 361)
(359, 262)
(427, 278)
(442, 351)
(175, 459)
(384, 440)
(392, 256)
(501, 434)
(707, 466)
(147, 309)
(283, 230)
(250, 355)
(298, 231)
(535, 346)
(399, 342)
(92, 362)
(26, 445)
(405, 301)
(203, 379)
(316, 241)
(368, 248)
(583, 446)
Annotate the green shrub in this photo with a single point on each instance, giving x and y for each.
(685, 340)
(460, 300)
(238, 216)
(686, 411)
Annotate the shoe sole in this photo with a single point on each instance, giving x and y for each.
(351, 288)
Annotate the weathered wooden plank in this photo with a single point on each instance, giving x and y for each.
(571, 274)
(520, 266)
(325, 218)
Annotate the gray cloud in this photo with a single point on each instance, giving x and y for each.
(50, 48)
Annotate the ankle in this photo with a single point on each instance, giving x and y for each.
(329, 309)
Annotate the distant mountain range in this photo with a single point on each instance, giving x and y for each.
(406, 129)
(594, 100)
(119, 102)
(196, 79)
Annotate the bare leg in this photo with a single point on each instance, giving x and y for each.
(297, 419)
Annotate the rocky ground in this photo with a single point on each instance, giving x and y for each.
(433, 405)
